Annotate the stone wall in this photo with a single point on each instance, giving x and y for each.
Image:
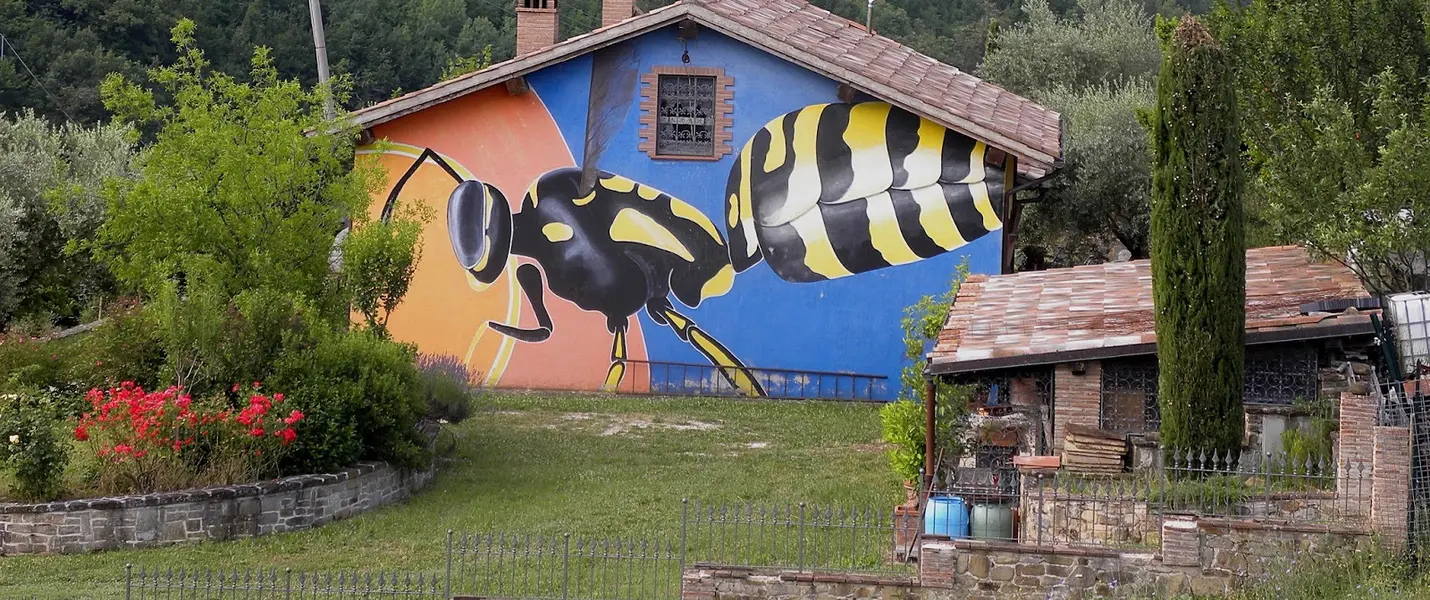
(708, 582)
(1061, 518)
(1233, 549)
(1199, 557)
(215, 513)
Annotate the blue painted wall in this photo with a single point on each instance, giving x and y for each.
(849, 324)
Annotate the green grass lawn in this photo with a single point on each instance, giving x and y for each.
(586, 465)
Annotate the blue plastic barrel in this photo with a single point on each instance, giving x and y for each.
(946, 515)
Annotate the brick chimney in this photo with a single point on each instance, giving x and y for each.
(615, 11)
(536, 25)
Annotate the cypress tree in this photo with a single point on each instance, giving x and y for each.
(1198, 244)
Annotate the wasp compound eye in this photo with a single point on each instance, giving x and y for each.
(479, 224)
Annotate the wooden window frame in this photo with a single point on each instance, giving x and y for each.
(724, 110)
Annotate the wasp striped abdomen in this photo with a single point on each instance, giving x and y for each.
(833, 190)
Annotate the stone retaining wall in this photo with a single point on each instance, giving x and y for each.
(215, 513)
(1199, 557)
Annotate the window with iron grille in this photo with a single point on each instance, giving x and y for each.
(1129, 396)
(686, 113)
(1281, 374)
(1274, 375)
(685, 116)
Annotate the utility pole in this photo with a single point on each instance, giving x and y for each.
(320, 42)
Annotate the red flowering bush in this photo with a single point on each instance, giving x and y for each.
(149, 441)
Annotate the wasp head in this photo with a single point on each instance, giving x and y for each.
(479, 223)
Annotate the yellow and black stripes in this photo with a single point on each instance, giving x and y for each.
(730, 367)
(828, 191)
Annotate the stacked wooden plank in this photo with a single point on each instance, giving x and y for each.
(1093, 451)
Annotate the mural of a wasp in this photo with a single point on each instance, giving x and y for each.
(834, 190)
(615, 250)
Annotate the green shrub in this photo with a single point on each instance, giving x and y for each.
(904, 422)
(362, 399)
(30, 445)
(1309, 449)
(447, 388)
(125, 347)
(903, 425)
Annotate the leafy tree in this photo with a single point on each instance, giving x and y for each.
(457, 67)
(903, 423)
(1096, 69)
(379, 260)
(51, 181)
(1334, 98)
(1198, 244)
(1108, 41)
(246, 184)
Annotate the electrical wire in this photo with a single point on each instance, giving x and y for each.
(4, 41)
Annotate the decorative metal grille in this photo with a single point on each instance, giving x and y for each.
(685, 121)
(994, 457)
(1281, 375)
(1129, 396)
(993, 392)
(1274, 375)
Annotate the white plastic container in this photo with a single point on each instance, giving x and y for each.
(1410, 315)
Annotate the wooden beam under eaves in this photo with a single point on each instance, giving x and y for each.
(846, 93)
(516, 86)
(689, 29)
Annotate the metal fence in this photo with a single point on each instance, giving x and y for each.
(184, 584)
(1127, 510)
(992, 504)
(519, 566)
(692, 379)
(801, 537)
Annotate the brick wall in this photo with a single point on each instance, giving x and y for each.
(1077, 399)
(216, 513)
(1355, 445)
(536, 28)
(615, 11)
(1389, 506)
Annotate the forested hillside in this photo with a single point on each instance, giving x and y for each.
(385, 46)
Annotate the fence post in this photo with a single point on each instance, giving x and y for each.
(1267, 485)
(801, 537)
(128, 580)
(923, 491)
(288, 582)
(565, 564)
(684, 543)
(1040, 509)
(447, 587)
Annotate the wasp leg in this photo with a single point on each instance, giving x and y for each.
(531, 284)
(618, 359)
(402, 181)
(730, 367)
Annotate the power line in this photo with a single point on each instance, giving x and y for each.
(6, 42)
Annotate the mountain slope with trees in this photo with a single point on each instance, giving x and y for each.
(385, 46)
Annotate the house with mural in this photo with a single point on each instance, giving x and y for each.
(717, 196)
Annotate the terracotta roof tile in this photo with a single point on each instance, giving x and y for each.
(987, 111)
(818, 40)
(1110, 305)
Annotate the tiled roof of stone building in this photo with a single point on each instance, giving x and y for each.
(1103, 311)
(817, 40)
